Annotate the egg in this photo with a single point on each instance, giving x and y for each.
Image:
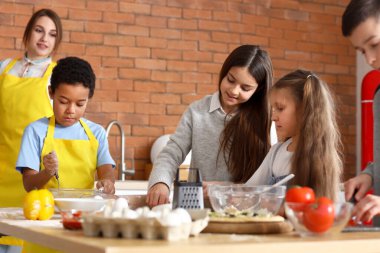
(183, 214)
(119, 205)
(130, 214)
(161, 208)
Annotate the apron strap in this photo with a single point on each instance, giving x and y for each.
(10, 66)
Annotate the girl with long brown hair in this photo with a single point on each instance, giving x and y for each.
(228, 132)
(304, 113)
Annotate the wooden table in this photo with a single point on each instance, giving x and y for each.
(51, 234)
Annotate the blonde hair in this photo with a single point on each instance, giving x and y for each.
(316, 162)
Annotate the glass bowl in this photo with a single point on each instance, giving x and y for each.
(295, 213)
(72, 219)
(80, 204)
(236, 199)
(79, 193)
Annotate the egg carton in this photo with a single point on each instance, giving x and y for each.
(149, 228)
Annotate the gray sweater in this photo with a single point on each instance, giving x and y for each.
(198, 130)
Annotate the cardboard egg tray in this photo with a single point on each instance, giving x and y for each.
(143, 227)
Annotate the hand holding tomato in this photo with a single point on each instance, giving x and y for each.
(319, 216)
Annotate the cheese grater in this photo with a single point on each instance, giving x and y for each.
(188, 194)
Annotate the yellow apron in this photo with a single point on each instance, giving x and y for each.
(22, 101)
(77, 161)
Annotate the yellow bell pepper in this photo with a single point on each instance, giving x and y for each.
(39, 205)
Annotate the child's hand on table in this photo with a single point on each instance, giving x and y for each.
(50, 162)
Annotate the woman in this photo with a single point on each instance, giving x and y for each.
(24, 99)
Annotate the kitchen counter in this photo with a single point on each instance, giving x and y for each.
(51, 233)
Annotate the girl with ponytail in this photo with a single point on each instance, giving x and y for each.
(304, 113)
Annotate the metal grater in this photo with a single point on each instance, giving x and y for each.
(188, 194)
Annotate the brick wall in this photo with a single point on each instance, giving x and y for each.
(154, 57)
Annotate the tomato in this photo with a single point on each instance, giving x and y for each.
(319, 216)
(38, 205)
(71, 220)
(299, 194)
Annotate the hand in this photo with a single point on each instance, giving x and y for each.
(107, 185)
(50, 162)
(366, 208)
(362, 183)
(158, 194)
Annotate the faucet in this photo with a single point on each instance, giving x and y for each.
(122, 168)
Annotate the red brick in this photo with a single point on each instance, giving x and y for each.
(166, 76)
(212, 46)
(132, 73)
(182, 24)
(252, 20)
(134, 119)
(117, 62)
(8, 43)
(101, 27)
(118, 107)
(148, 21)
(257, 40)
(227, 37)
(206, 88)
(150, 64)
(102, 5)
(119, 40)
(116, 17)
(242, 28)
(297, 55)
(212, 25)
(72, 49)
(242, 8)
(297, 15)
(165, 99)
(209, 67)
(166, 54)
(189, 98)
(147, 131)
(227, 16)
(73, 25)
(105, 95)
(116, 84)
(130, 96)
(151, 42)
(150, 108)
(149, 86)
(135, 8)
(166, 11)
(165, 33)
(77, 14)
(164, 120)
(196, 35)
(107, 73)
(197, 56)
(195, 77)
(182, 66)
(180, 88)
(102, 50)
(197, 14)
(134, 52)
(90, 38)
(182, 45)
(133, 30)
(176, 109)
(17, 9)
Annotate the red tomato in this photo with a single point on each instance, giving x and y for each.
(319, 216)
(299, 194)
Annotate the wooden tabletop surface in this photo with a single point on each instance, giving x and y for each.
(52, 234)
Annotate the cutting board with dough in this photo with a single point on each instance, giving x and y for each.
(247, 227)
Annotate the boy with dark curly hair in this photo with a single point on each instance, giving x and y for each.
(361, 25)
(67, 147)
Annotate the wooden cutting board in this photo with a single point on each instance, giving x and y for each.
(248, 227)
